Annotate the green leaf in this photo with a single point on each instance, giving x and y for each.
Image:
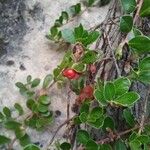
(99, 96)
(98, 123)
(145, 10)
(122, 85)
(83, 117)
(65, 146)
(1, 117)
(108, 123)
(126, 23)
(109, 91)
(30, 103)
(91, 145)
(90, 2)
(129, 117)
(145, 64)
(31, 147)
(127, 99)
(89, 57)
(137, 32)
(21, 86)
(20, 132)
(54, 31)
(47, 80)
(7, 112)
(79, 67)
(42, 108)
(84, 107)
(12, 125)
(96, 113)
(35, 82)
(19, 108)
(135, 145)
(128, 5)
(58, 23)
(92, 37)
(141, 44)
(106, 147)
(77, 8)
(120, 145)
(83, 137)
(4, 140)
(29, 78)
(65, 15)
(144, 139)
(44, 99)
(25, 140)
(144, 76)
(78, 32)
(68, 36)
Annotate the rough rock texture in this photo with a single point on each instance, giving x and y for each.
(25, 50)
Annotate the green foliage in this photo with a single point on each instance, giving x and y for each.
(128, 5)
(126, 23)
(19, 108)
(47, 80)
(65, 146)
(145, 10)
(140, 44)
(31, 147)
(4, 139)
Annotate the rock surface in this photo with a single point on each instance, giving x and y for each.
(25, 50)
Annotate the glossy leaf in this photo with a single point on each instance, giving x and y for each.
(47, 80)
(99, 96)
(145, 64)
(135, 145)
(83, 117)
(126, 23)
(120, 145)
(145, 10)
(4, 139)
(96, 113)
(29, 78)
(31, 147)
(12, 125)
(35, 82)
(122, 85)
(65, 15)
(141, 44)
(54, 31)
(127, 99)
(129, 117)
(91, 2)
(109, 91)
(79, 67)
(19, 108)
(25, 140)
(30, 103)
(65, 146)
(128, 5)
(91, 145)
(20, 132)
(68, 36)
(105, 147)
(44, 99)
(108, 123)
(83, 137)
(78, 32)
(144, 76)
(89, 57)
(42, 108)
(7, 112)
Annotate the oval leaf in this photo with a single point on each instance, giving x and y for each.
(127, 99)
(31, 147)
(141, 44)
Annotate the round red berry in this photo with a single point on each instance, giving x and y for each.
(69, 73)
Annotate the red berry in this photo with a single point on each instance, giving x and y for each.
(69, 73)
(88, 90)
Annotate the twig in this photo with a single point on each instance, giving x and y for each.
(59, 127)
(10, 147)
(113, 55)
(117, 136)
(144, 113)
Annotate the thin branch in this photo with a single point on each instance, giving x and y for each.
(59, 127)
(10, 146)
(113, 55)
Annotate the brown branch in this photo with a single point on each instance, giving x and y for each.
(10, 146)
(59, 127)
(116, 136)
